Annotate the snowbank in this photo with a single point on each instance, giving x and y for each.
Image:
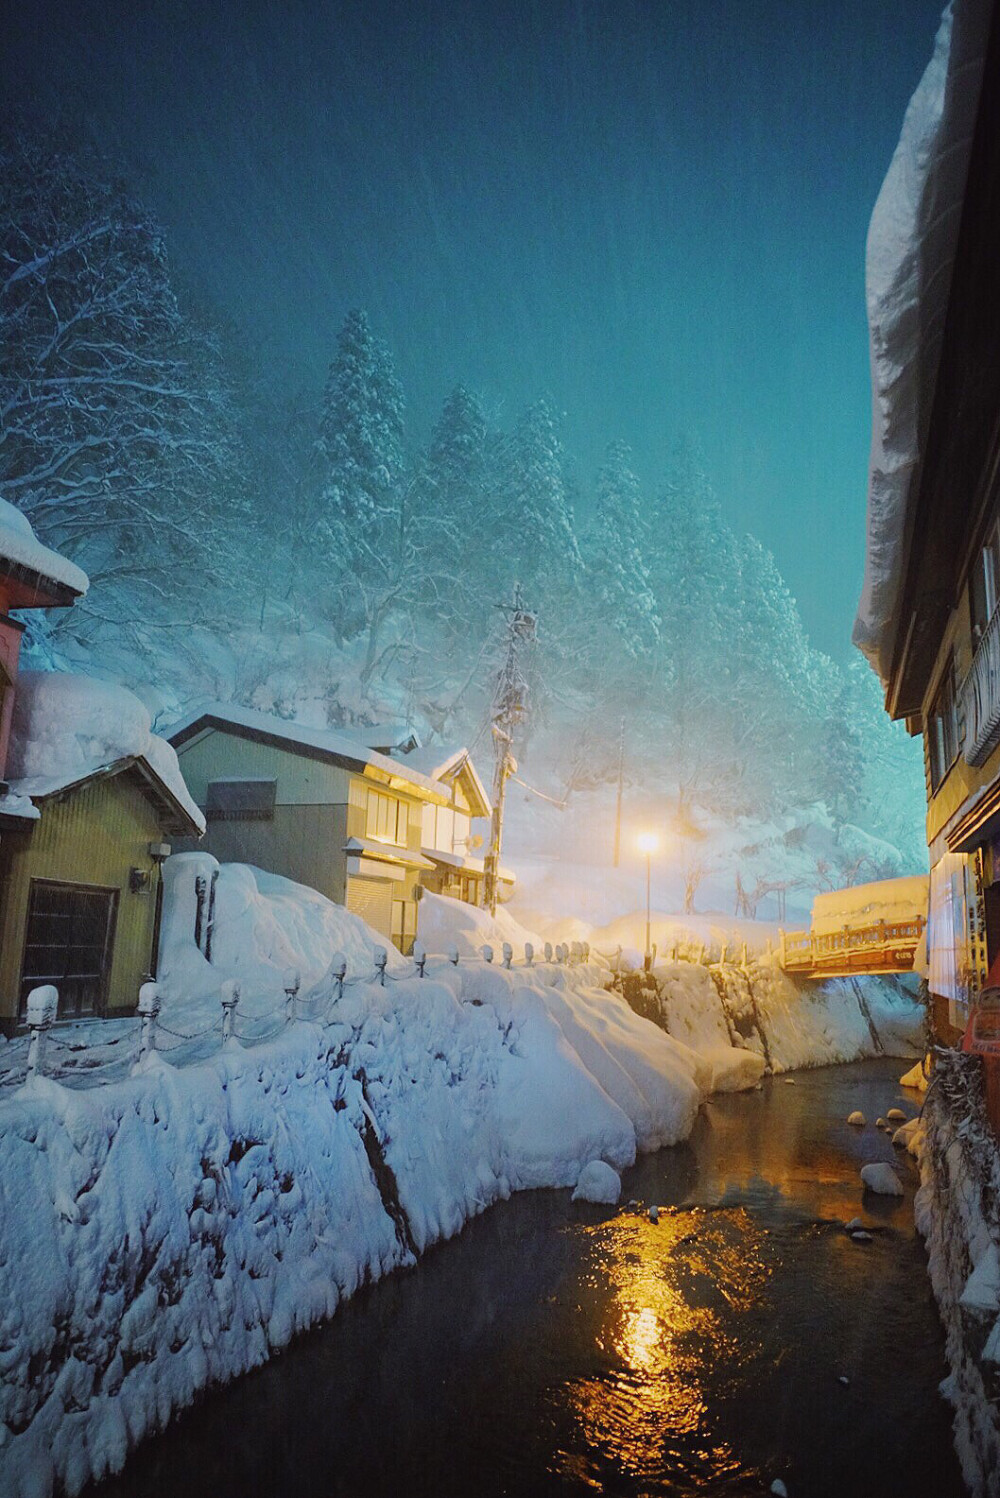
(65, 727)
(444, 923)
(186, 1223)
(19, 544)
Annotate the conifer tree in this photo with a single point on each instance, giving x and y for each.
(535, 534)
(616, 548)
(358, 458)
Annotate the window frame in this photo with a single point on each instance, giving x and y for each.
(943, 738)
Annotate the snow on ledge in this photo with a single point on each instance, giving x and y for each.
(19, 544)
(911, 249)
(66, 727)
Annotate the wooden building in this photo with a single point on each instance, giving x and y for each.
(81, 890)
(325, 809)
(31, 577)
(930, 614)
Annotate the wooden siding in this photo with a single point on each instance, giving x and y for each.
(304, 843)
(962, 781)
(93, 835)
(226, 756)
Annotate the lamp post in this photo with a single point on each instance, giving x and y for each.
(648, 844)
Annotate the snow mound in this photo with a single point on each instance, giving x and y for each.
(911, 247)
(881, 1179)
(886, 900)
(445, 923)
(18, 543)
(857, 1118)
(915, 1077)
(65, 727)
(982, 1289)
(598, 1183)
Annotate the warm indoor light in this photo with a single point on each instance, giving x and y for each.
(648, 842)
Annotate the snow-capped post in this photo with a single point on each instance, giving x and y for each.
(548, 951)
(453, 956)
(381, 957)
(529, 954)
(508, 954)
(338, 967)
(487, 954)
(148, 1009)
(419, 958)
(586, 950)
(229, 997)
(43, 1007)
(562, 952)
(292, 982)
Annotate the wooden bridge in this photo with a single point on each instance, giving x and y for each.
(878, 947)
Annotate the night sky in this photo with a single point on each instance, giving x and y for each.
(654, 212)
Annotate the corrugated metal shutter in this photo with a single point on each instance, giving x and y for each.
(372, 900)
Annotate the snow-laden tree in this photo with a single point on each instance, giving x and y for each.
(118, 436)
(533, 538)
(358, 458)
(617, 554)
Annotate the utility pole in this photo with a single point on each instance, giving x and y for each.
(510, 705)
(621, 783)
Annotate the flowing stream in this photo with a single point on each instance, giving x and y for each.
(554, 1348)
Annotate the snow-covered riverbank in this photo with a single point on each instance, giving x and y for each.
(169, 1231)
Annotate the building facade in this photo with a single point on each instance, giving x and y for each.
(326, 810)
(930, 613)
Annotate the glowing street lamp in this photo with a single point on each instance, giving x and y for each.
(648, 843)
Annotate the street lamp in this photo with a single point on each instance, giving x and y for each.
(648, 844)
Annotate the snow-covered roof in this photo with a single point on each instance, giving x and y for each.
(466, 863)
(391, 852)
(392, 738)
(66, 729)
(19, 545)
(442, 762)
(327, 743)
(911, 248)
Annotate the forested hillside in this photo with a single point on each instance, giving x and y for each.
(306, 552)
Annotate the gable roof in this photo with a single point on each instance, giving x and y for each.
(177, 818)
(441, 762)
(322, 744)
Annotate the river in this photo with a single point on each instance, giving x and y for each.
(554, 1348)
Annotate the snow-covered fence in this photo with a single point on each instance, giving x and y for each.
(92, 1051)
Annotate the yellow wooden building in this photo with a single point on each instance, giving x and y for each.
(929, 619)
(80, 889)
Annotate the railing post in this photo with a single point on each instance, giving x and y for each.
(381, 957)
(419, 958)
(229, 997)
(508, 954)
(487, 954)
(529, 954)
(338, 967)
(43, 1007)
(149, 1009)
(548, 951)
(292, 983)
(586, 951)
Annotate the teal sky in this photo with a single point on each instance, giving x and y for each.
(654, 212)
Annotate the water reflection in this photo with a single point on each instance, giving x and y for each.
(667, 1324)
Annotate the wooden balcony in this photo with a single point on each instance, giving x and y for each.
(979, 698)
(881, 947)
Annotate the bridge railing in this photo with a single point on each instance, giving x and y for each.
(878, 946)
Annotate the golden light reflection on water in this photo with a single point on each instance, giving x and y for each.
(648, 1415)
